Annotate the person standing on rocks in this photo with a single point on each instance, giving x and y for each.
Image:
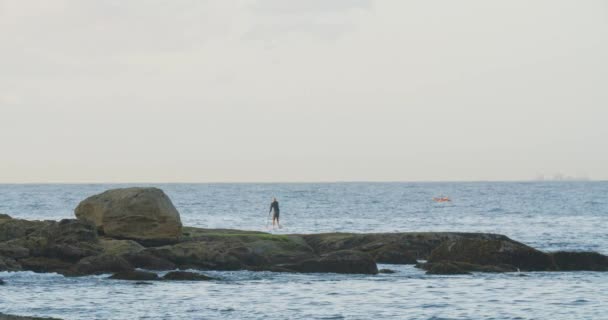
(274, 208)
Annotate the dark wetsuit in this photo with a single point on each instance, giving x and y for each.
(274, 206)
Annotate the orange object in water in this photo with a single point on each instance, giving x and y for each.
(442, 199)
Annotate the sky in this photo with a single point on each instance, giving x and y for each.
(302, 90)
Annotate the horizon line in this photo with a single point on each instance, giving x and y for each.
(303, 182)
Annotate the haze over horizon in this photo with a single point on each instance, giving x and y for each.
(306, 90)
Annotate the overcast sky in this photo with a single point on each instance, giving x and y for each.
(302, 90)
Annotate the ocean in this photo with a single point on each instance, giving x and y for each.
(546, 215)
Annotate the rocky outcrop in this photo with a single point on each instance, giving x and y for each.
(142, 214)
(140, 228)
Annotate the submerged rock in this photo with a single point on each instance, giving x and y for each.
(135, 275)
(2, 282)
(185, 276)
(446, 268)
(386, 271)
(455, 267)
(142, 214)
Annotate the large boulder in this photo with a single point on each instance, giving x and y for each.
(503, 254)
(142, 214)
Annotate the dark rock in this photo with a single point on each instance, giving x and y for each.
(104, 263)
(135, 275)
(448, 267)
(500, 253)
(395, 248)
(2, 282)
(9, 264)
(393, 255)
(387, 271)
(4, 216)
(225, 251)
(346, 261)
(196, 255)
(44, 264)
(148, 261)
(185, 276)
(139, 283)
(142, 214)
(68, 239)
(579, 261)
(13, 250)
(17, 228)
(445, 268)
(72, 231)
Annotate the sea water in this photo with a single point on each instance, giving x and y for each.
(546, 215)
